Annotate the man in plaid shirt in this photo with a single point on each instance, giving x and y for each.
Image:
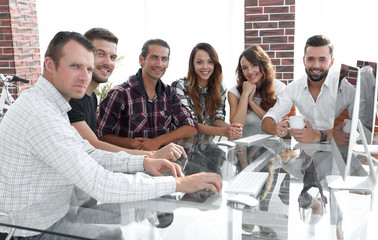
(143, 112)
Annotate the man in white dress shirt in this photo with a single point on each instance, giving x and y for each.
(313, 95)
(43, 158)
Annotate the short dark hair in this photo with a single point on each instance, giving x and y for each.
(319, 41)
(159, 42)
(54, 50)
(101, 33)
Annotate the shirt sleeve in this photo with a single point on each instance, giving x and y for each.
(279, 87)
(57, 144)
(181, 114)
(235, 91)
(179, 87)
(221, 111)
(77, 113)
(282, 107)
(109, 114)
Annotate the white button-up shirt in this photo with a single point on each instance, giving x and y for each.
(320, 113)
(42, 159)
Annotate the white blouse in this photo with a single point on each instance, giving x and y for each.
(252, 119)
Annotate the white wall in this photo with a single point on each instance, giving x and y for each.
(351, 25)
(182, 24)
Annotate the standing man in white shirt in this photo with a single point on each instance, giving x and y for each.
(313, 95)
(43, 158)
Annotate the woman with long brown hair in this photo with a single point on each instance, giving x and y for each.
(203, 94)
(256, 89)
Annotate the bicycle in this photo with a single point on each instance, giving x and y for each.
(6, 99)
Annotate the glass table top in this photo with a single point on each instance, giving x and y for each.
(294, 203)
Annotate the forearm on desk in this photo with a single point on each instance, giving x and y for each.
(268, 125)
(182, 132)
(119, 141)
(114, 148)
(212, 130)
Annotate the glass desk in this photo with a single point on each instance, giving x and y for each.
(295, 203)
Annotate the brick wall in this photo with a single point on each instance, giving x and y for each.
(270, 24)
(19, 40)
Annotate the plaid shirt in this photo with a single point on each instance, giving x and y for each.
(127, 112)
(181, 88)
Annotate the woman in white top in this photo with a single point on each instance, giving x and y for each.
(256, 90)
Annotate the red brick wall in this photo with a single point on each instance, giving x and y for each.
(270, 24)
(19, 39)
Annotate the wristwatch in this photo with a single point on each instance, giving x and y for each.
(324, 136)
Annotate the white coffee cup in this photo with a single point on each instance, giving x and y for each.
(296, 122)
(347, 126)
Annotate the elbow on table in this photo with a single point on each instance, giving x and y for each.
(268, 125)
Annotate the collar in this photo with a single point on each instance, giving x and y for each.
(325, 83)
(136, 82)
(52, 94)
(202, 90)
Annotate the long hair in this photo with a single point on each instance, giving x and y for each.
(256, 55)
(214, 97)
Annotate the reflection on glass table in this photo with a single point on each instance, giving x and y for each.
(294, 173)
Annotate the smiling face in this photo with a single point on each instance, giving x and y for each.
(203, 66)
(317, 61)
(155, 63)
(251, 71)
(74, 72)
(104, 61)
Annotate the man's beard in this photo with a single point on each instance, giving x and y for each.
(318, 77)
(98, 79)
